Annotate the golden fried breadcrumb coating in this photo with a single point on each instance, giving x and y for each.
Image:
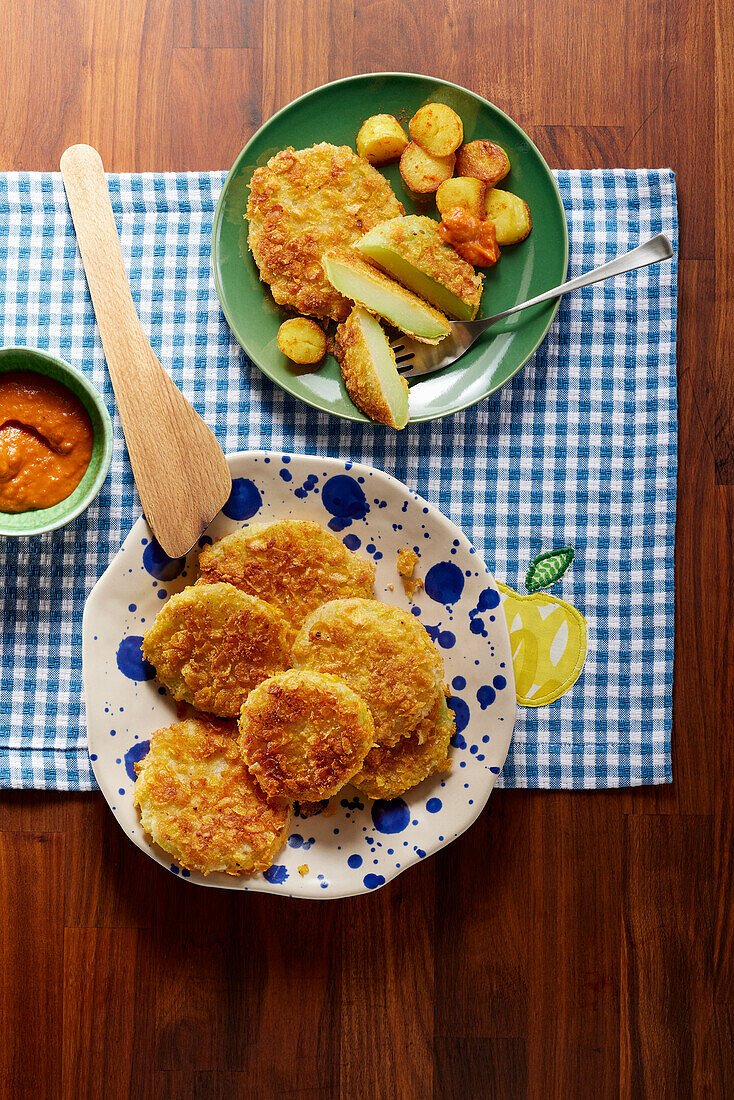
(407, 561)
(296, 565)
(211, 644)
(304, 202)
(199, 803)
(382, 652)
(389, 772)
(304, 734)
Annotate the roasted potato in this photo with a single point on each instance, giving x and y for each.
(464, 192)
(483, 160)
(381, 139)
(422, 172)
(302, 341)
(437, 129)
(511, 216)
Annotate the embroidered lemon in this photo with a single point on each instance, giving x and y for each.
(548, 644)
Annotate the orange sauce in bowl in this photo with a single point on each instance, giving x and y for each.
(46, 440)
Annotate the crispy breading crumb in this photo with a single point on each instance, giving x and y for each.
(303, 869)
(407, 561)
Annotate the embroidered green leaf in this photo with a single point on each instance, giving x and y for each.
(547, 568)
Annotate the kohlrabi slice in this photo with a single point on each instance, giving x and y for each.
(367, 286)
(369, 370)
(411, 250)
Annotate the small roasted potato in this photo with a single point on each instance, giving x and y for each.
(437, 129)
(511, 216)
(483, 160)
(464, 192)
(302, 341)
(381, 139)
(422, 172)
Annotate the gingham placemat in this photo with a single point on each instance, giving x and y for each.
(579, 449)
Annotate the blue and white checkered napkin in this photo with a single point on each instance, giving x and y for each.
(578, 449)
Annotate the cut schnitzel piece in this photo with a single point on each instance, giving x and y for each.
(295, 565)
(303, 735)
(369, 369)
(382, 652)
(371, 288)
(211, 644)
(411, 250)
(199, 803)
(304, 203)
(390, 772)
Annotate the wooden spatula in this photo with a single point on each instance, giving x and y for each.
(180, 470)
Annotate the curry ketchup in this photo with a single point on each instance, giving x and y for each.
(46, 440)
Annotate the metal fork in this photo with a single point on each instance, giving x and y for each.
(415, 359)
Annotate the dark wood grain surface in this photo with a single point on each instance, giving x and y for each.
(569, 945)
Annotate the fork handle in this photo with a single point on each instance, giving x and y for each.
(651, 252)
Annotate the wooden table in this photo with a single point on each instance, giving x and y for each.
(569, 945)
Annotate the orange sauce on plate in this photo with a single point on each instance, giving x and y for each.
(46, 440)
(475, 240)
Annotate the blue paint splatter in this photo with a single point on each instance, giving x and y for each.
(433, 805)
(476, 625)
(373, 881)
(130, 660)
(276, 874)
(342, 496)
(244, 500)
(295, 841)
(444, 582)
(461, 713)
(499, 682)
(421, 853)
(158, 563)
(308, 487)
(390, 817)
(446, 639)
(486, 696)
(132, 607)
(352, 542)
(458, 683)
(134, 755)
(286, 475)
(174, 869)
(458, 741)
(488, 600)
(354, 862)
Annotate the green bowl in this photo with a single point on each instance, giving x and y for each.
(41, 520)
(335, 113)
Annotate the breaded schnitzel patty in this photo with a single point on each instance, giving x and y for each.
(382, 652)
(200, 804)
(389, 772)
(303, 735)
(295, 565)
(304, 202)
(211, 644)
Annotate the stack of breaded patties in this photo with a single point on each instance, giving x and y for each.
(282, 632)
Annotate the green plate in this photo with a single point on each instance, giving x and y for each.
(335, 113)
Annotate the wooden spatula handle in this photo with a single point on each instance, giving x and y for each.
(126, 346)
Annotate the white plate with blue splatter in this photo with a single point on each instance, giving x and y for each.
(363, 844)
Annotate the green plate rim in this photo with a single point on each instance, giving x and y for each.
(322, 406)
(58, 515)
